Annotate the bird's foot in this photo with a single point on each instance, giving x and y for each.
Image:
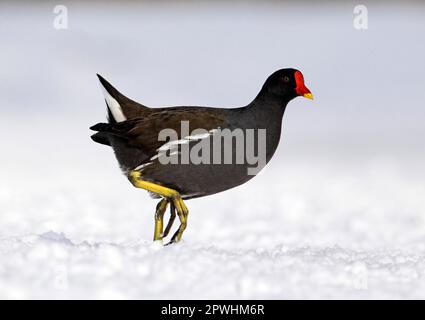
(183, 213)
(168, 195)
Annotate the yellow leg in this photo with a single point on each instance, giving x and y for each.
(172, 195)
(159, 219)
(183, 213)
(171, 221)
(135, 178)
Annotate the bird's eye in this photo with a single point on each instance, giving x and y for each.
(286, 79)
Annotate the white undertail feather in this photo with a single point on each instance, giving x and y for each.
(113, 106)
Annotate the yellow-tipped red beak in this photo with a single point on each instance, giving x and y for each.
(300, 88)
(308, 95)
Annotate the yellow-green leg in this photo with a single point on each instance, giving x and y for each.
(171, 221)
(159, 219)
(182, 212)
(169, 194)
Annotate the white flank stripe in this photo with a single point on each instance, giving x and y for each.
(171, 144)
(198, 136)
(143, 166)
(157, 155)
(187, 139)
(114, 106)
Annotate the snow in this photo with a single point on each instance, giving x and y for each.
(338, 213)
(52, 266)
(300, 239)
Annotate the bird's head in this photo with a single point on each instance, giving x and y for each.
(285, 85)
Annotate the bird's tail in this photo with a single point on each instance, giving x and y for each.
(106, 130)
(120, 108)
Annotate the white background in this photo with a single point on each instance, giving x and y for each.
(338, 213)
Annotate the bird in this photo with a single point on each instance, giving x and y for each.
(134, 131)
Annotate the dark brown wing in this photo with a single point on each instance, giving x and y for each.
(143, 132)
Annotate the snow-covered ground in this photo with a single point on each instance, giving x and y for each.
(338, 213)
(316, 232)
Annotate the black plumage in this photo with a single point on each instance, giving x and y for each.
(132, 131)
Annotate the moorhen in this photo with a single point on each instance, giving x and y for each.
(147, 156)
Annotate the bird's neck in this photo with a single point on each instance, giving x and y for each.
(268, 106)
(265, 112)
